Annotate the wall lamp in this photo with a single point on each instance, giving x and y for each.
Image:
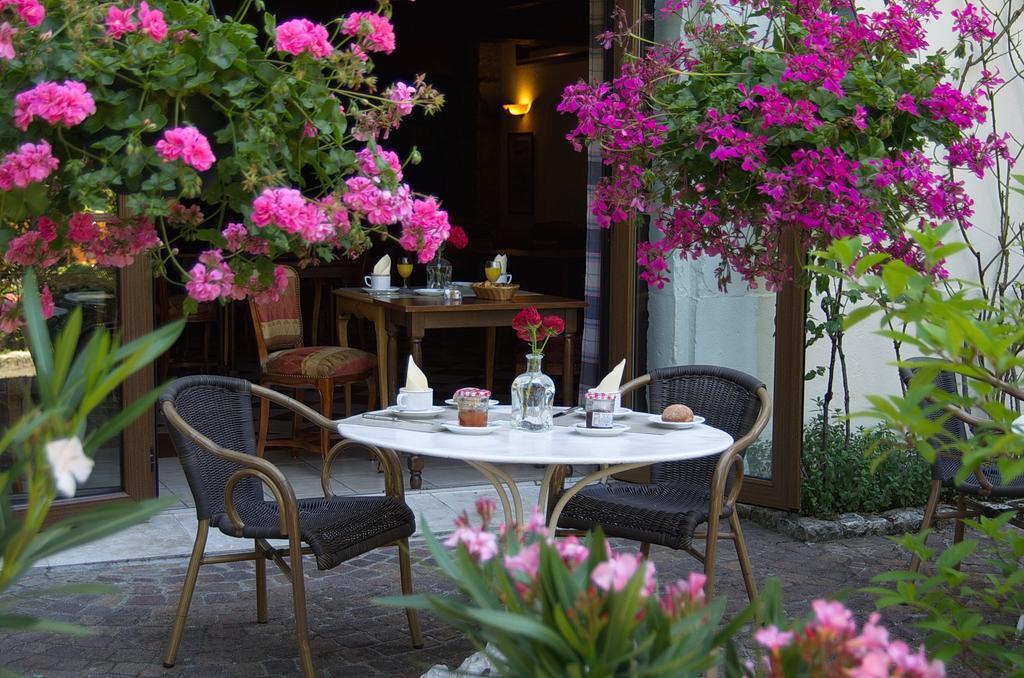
(517, 109)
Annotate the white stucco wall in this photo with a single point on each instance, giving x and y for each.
(692, 322)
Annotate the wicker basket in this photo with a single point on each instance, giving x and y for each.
(495, 292)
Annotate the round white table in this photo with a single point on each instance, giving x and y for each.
(552, 448)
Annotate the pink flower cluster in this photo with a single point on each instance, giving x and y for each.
(31, 12)
(403, 96)
(731, 142)
(831, 645)
(302, 35)
(973, 22)
(11, 317)
(367, 160)
(35, 247)
(480, 543)
(120, 241)
(116, 244)
(239, 239)
(119, 22)
(30, 163)
(375, 31)
(212, 278)
(288, 210)
(978, 155)
(188, 145)
(425, 229)
(616, 572)
(778, 110)
(946, 102)
(67, 104)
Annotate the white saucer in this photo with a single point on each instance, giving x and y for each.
(386, 290)
(471, 430)
(491, 402)
(621, 412)
(656, 419)
(616, 429)
(429, 291)
(416, 414)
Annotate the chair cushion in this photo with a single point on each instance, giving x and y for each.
(336, 529)
(319, 362)
(660, 514)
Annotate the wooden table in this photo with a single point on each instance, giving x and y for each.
(415, 315)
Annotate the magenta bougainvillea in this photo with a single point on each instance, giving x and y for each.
(773, 116)
(237, 143)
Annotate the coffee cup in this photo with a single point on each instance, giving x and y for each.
(414, 400)
(378, 281)
(504, 279)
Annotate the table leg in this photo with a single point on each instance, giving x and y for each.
(416, 348)
(392, 359)
(571, 492)
(489, 364)
(415, 463)
(568, 378)
(383, 363)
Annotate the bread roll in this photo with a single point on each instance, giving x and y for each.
(677, 413)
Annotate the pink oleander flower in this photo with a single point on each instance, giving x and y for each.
(573, 552)
(425, 229)
(614, 574)
(536, 524)
(403, 96)
(772, 638)
(82, 228)
(376, 32)
(302, 35)
(527, 561)
(188, 145)
(119, 22)
(479, 543)
(973, 22)
(7, 33)
(151, 22)
(833, 616)
(68, 104)
(29, 164)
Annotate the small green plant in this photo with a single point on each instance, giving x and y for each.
(972, 617)
(869, 472)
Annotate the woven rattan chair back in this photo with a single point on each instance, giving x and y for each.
(948, 463)
(726, 398)
(219, 408)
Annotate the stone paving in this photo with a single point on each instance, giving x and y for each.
(351, 636)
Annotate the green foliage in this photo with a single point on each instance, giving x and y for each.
(972, 617)
(872, 472)
(72, 379)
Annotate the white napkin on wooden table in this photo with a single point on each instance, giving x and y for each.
(383, 266)
(415, 380)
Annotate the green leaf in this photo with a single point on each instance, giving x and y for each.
(38, 337)
(34, 624)
(523, 626)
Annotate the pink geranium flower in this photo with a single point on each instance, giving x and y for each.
(288, 210)
(82, 228)
(29, 164)
(187, 144)
(425, 229)
(7, 33)
(151, 22)
(119, 21)
(302, 35)
(68, 104)
(377, 33)
(31, 12)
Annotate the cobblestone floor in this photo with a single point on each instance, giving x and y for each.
(350, 635)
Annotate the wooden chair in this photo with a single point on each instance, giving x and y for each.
(285, 361)
(682, 495)
(210, 422)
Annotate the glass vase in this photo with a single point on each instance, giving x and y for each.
(439, 273)
(533, 398)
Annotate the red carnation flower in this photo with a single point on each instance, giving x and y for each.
(457, 237)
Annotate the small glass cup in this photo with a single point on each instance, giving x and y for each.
(473, 404)
(492, 271)
(404, 270)
(599, 407)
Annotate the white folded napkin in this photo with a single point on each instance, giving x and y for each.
(502, 262)
(383, 266)
(415, 380)
(613, 381)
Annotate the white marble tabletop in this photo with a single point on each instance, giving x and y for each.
(559, 446)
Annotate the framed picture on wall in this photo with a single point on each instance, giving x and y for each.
(520, 173)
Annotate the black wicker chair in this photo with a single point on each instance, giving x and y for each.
(211, 424)
(984, 483)
(683, 495)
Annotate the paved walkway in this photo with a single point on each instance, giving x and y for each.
(351, 635)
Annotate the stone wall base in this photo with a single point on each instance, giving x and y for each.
(804, 528)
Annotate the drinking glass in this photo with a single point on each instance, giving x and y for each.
(405, 270)
(492, 270)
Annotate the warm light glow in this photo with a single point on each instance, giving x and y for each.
(517, 109)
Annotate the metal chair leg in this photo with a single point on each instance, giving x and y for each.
(744, 558)
(710, 554)
(299, 603)
(958, 525)
(261, 440)
(186, 592)
(406, 568)
(929, 518)
(645, 550)
(261, 584)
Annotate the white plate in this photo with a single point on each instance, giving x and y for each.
(656, 419)
(492, 402)
(416, 414)
(616, 429)
(471, 430)
(386, 290)
(429, 291)
(621, 412)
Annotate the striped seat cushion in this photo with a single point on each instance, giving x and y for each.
(319, 362)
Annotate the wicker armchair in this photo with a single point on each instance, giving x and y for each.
(984, 483)
(211, 424)
(683, 495)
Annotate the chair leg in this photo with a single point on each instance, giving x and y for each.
(299, 603)
(744, 558)
(406, 568)
(645, 550)
(929, 518)
(326, 388)
(348, 399)
(296, 421)
(261, 584)
(371, 392)
(710, 553)
(958, 526)
(261, 441)
(186, 592)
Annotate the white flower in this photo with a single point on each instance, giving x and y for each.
(68, 463)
